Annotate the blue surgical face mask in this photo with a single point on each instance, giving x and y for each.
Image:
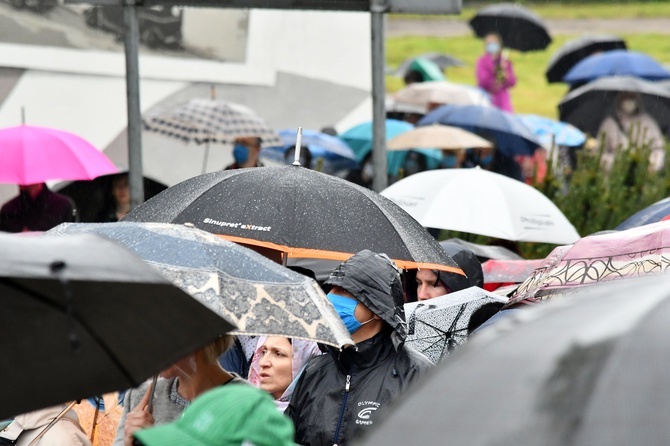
(345, 308)
(240, 153)
(449, 161)
(488, 159)
(493, 48)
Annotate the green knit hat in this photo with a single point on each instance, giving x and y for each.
(230, 415)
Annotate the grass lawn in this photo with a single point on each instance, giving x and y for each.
(532, 94)
(584, 10)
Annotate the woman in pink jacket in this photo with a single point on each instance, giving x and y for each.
(495, 73)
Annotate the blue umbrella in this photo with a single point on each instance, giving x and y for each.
(553, 133)
(336, 154)
(616, 63)
(651, 214)
(508, 133)
(359, 138)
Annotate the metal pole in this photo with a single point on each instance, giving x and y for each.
(131, 40)
(380, 180)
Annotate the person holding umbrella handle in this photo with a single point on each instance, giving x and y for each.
(495, 73)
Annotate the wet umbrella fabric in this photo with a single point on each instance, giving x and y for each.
(519, 28)
(481, 202)
(509, 271)
(437, 326)
(298, 211)
(359, 138)
(259, 296)
(441, 92)
(443, 61)
(440, 136)
(82, 316)
(587, 106)
(209, 121)
(509, 134)
(32, 154)
(551, 133)
(608, 257)
(591, 371)
(651, 214)
(573, 51)
(616, 63)
(485, 252)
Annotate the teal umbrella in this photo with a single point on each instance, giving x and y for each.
(359, 138)
(429, 69)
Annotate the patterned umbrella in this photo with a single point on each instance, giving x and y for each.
(435, 327)
(210, 121)
(598, 258)
(259, 296)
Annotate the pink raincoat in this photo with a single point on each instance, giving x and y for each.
(487, 79)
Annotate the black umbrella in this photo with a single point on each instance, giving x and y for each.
(577, 49)
(588, 105)
(82, 316)
(519, 28)
(297, 211)
(443, 61)
(588, 370)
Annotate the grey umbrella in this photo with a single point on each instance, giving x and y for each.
(258, 295)
(437, 326)
(82, 316)
(589, 370)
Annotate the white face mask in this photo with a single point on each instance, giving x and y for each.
(629, 106)
(493, 47)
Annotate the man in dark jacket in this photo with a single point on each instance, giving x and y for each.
(36, 209)
(340, 394)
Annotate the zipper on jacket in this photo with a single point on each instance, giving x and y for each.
(347, 386)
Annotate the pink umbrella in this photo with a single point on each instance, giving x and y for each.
(640, 251)
(33, 154)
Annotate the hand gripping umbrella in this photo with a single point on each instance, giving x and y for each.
(82, 316)
(297, 211)
(519, 28)
(259, 296)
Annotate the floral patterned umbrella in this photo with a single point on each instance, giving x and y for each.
(259, 296)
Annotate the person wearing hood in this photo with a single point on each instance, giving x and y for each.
(36, 208)
(277, 364)
(433, 283)
(340, 395)
(25, 428)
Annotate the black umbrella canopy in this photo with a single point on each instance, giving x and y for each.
(519, 28)
(298, 211)
(588, 105)
(82, 316)
(577, 49)
(588, 370)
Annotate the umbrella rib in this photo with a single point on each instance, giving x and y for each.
(13, 285)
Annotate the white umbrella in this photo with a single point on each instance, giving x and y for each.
(439, 137)
(441, 92)
(482, 202)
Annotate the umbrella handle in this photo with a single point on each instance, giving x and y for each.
(54, 421)
(150, 406)
(298, 144)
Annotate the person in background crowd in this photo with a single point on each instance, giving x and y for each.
(432, 283)
(119, 205)
(495, 73)
(25, 429)
(235, 415)
(36, 208)
(277, 365)
(246, 151)
(629, 124)
(341, 394)
(178, 386)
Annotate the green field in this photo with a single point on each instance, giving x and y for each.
(532, 94)
(581, 10)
